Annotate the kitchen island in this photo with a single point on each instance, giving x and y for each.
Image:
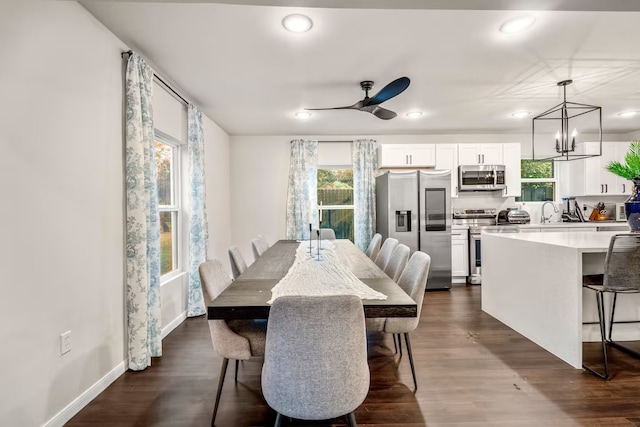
(532, 282)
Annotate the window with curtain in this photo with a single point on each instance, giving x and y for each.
(167, 154)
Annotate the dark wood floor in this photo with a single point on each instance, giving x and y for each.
(472, 371)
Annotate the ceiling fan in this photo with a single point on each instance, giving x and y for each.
(372, 105)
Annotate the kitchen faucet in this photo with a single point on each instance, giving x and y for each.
(544, 219)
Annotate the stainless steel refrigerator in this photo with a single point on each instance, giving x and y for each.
(415, 208)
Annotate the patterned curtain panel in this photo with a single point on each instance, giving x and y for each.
(143, 228)
(198, 229)
(364, 191)
(302, 195)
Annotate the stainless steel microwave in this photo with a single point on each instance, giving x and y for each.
(481, 177)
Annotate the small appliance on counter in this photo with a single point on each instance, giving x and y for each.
(571, 211)
(620, 215)
(514, 216)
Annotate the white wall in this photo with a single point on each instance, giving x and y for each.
(62, 222)
(61, 173)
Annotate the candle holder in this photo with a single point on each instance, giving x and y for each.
(318, 233)
(310, 229)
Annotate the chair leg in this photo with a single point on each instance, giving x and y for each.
(395, 345)
(600, 302)
(351, 419)
(399, 343)
(413, 369)
(223, 371)
(278, 422)
(236, 377)
(611, 322)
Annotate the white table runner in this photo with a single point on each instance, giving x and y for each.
(327, 276)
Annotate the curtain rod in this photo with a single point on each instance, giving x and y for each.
(157, 77)
(333, 142)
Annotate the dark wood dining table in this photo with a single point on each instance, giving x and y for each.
(247, 296)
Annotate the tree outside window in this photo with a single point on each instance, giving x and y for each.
(538, 181)
(335, 199)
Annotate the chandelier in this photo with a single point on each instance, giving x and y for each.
(557, 131)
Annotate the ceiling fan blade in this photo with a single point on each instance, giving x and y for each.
(358, 105)
(383, 113)
(394, 88)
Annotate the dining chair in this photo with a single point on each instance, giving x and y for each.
(233, 339)
(397, 261)
(621, 273)
(413, 281)
(385, 252)
(259, 246)
(238, 264)
(374, 246)
(315, 362)
(325, 234)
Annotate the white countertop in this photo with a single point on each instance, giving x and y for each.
(623, 225)
(588, 241)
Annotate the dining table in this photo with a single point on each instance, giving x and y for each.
(248, 296)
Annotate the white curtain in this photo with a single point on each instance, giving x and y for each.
(143, 228)
(364, 191)
(198, 228)
(302, 194)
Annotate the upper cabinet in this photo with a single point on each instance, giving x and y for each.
(511, 155)
(480, 154)
(589, 176)
(447, 158)
(407, 156)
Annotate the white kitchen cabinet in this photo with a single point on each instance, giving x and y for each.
(459, 253)
(589, 176)
(480, 154)
(447, 158)
(406, 155)
(511, 156)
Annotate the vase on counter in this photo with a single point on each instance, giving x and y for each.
(632, 207)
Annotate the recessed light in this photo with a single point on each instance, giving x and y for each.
(520, 114)
(629, 113)
(297, 23)
(518, 24)
(303, 114)
(414, 114)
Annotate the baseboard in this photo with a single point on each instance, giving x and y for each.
(83, 400)
(92, 392)
(174, 324)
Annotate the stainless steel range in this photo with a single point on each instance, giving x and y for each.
(479, 221)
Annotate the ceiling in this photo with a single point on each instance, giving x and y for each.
(244, 71)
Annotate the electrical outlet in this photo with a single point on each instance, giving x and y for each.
(65, 342)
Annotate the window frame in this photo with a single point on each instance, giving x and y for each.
(554, 180)
(176, 204)
(321, 207)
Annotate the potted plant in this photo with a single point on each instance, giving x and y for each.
(631, 171)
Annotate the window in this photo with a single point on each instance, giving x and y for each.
(538, 181)
(335, 198)
(168, 203)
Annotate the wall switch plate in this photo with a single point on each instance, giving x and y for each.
(65, 343)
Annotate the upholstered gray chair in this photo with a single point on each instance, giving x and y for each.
(315, 363)
(374, 246)
(413, 281)
(385, 252)
(234, 339)
(397, 262)
(238, 264)
(325, 234)
(259, 246)
(621, 272)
